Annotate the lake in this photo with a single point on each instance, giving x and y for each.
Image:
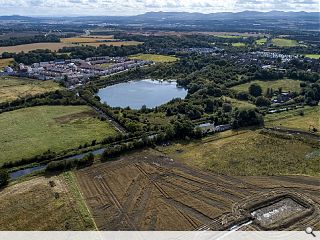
(135, 94)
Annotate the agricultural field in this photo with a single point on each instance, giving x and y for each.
(54, 46)
(5, 62)
(255, 153)
(237, 103)
(86, 39)
(35, 130)
(12, 88)
(154, 58)
(314, 56)
(283, 42)
(238, 44)
(147, 190)
(285, 84)
(261, 41)
(299, 119)
(36, 205)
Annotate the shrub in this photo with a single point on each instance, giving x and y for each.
(4, 177)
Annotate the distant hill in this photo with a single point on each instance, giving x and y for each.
(15, 18)
(224, 15)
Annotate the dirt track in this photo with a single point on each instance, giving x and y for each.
(149, 191)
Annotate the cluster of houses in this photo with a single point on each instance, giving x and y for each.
(274, 55)
(207, 128)
(75, 71)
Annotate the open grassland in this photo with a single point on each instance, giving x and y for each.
(285, 84)
(237, 103)
(12, 88)
(313, 56)
(283, 42)
(147, 190)
(247, 153)
(35, 205)
(33, 46)
(261, 41)
(5, 62)
(154, 58)
(238, 44)
(31, 131)
(300, 119)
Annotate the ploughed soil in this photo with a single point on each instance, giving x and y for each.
(146, 190)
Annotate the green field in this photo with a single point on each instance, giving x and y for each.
(261, 41)
(313, 56)
(31, 131)
(247, 153)
(238, 103)
(285, 84)
(154, 58)
(283, 42)
(238, 44)
(12, 88)
(293, 119)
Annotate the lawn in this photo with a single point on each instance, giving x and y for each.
(247, 153)
(37, 205)
(293, 119)
(283, 42)
(12, 88)
(238, 103)
(313, 56)
(154, 58)
(31, 131)
(285, 84)
(238, 44)
(5, 62)
(261, 41)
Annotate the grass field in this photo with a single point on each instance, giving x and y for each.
(293, 119)
(285, 84)
(238, 44)
(283, 42)
(31, 131)
(5, 62)
(238, 103)
(35, 205)
(33, 46)
(154, 58)
(314, 56)
(12, 88)
(247, 153)
(261, 41)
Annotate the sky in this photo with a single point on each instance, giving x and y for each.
(134, 7)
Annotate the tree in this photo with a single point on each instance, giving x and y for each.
(226, 107)
(4, 177)
(263, 101)
(255, 90)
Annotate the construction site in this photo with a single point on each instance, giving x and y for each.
(147, 190)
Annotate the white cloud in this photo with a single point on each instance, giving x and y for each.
(131, 7)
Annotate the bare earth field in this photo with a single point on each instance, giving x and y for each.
(146, 190)
(33, 46)
(35, 205)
